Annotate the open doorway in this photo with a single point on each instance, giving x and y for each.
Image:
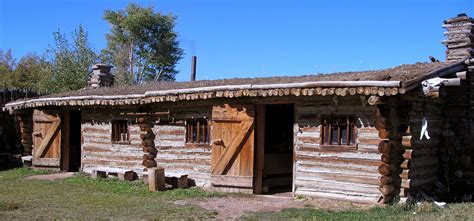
(75, 141)
(277, 174)
(71, 151)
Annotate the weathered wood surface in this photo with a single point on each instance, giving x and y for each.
(177, 157)
(421, 161)
(342, 173)
(46, 139)
(320, 88)
(97, 147)
(233, 155)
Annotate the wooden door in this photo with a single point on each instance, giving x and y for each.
(46, 139)
(232, 132)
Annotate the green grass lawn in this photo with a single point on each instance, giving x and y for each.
(81, 197)
(85, 198)
(422, 211)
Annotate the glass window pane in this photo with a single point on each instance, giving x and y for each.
(344, 135)
(334, 134)
(326, 135)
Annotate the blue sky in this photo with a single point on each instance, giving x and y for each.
(256, 38)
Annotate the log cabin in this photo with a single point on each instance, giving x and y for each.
(10, 148)
(377, 136)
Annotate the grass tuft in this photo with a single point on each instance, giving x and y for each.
(5, 206)
(21, 172)
(194, 192)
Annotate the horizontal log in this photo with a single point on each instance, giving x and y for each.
(342, 187)
(46, 162)
(407, 154)
(384, 147)
(388, 146)
(418, 172)
(148, 156)
(386, 189)
(149, 163)
(384, 180)
(233, 181)
(384, 134)
(403, 192)
(148, 143)
(374, 100)
(407, 141)
(388, 169)
(335, 149)
(391, 158)
(405, 164)
(336, 196)
(317, 160)
(337, 176)
(386, 199)
(411, 183)
(382, 123)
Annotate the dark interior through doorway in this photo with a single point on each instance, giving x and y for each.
(278, 151)
(75, 141)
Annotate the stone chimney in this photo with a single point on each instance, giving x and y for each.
(101, 76)
(460, 38)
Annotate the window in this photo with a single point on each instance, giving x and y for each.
(120, 131)
(197, 130)
(338, 130)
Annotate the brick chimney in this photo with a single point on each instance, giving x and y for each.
(460, 38)
(101, 76)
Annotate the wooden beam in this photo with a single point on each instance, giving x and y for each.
(46, 162)
(259, 148)
(234, 181)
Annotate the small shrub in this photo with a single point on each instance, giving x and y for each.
(426, 207)
(300, 198)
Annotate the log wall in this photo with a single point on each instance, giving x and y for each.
(421, 162)
(341, 173)
(98, 150)
(179, 158)
(457, 140)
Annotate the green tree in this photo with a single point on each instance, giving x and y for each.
(71, 62)
(7, 65)
(142, 44)
(32, 73)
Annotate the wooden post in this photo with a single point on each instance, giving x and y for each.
(259, 149)
(156, 179)
(148, 141)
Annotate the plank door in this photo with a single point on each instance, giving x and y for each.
(46, 139)
(232, 132)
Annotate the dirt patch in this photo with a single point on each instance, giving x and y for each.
(236, 206)
(54, 176)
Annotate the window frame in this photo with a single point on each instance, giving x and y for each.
(203, 135)
(326, 131)
(119, 125)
